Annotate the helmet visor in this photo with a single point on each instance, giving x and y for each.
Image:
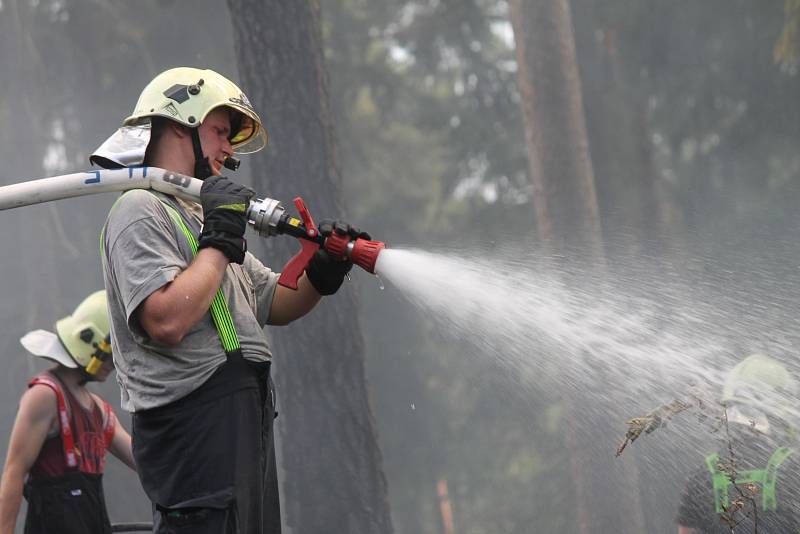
(242, 128)
(247, 135)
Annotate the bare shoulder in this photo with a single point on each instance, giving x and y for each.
(39, 402)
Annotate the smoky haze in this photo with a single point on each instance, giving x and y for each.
(501, 368)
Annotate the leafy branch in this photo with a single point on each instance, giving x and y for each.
(744, 505)
(658, 418)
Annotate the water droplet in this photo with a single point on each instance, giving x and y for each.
(413, 406)
(380, 283)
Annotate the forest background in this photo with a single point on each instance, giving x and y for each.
(685, 132)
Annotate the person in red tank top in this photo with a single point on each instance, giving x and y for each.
(57, 449)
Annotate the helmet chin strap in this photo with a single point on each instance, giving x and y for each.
(202, 167)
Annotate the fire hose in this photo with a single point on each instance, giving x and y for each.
(266, 216)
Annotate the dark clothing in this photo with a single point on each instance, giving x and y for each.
(70, 504)
(65, 488)
(752, 452)
(207, 460)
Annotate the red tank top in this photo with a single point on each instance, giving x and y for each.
(83, 438)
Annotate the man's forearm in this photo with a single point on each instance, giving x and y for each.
(121, 447)
(289, 304)
(171, 311)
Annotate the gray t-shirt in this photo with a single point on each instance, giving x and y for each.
(143, 250)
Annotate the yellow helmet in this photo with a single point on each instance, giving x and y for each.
(765, 384)
(86, 333)
(186, 95)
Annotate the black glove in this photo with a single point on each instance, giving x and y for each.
(327, 226)
(325, 273)
(224, 216)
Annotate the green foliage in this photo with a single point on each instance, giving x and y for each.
(433, 151)
(436, 75)
(682, 98)
(429, 128)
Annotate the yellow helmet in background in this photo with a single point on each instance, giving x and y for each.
(765, 384)
(86, 333)
(186, 95)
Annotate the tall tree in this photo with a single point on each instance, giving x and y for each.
(333, 476)
(567, 215)
(633, 207)
(555, 128)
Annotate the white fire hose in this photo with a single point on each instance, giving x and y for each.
(98, 181)
(263, 214)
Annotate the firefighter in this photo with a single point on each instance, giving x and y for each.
(195, 371)
(58, 445)
(752, 483)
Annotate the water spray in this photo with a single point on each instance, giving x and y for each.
(267, 216)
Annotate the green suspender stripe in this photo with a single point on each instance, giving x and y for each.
(219, 307)
(220, 313)
(767, 478)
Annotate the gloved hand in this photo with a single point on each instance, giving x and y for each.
(327, 226)
(325, 273)
(224, 216)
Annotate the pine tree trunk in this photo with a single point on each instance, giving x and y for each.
(637, 212)
(555, 129)
(621, 153)
(567, 213)
(330, 459)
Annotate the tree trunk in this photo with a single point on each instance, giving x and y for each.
(620, 146)
(555, 129)
(333, 479)
(568, 218)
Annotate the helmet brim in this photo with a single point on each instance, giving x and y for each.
(46, 344)
(248, 135)
(253, 144)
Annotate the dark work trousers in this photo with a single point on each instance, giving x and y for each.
(207, 461)
(70, 504)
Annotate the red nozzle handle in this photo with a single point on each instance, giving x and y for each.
(364, 253)
(293, 270)
(308, 222)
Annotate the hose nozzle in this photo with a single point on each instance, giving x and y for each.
(364, 253)
(361, 252)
